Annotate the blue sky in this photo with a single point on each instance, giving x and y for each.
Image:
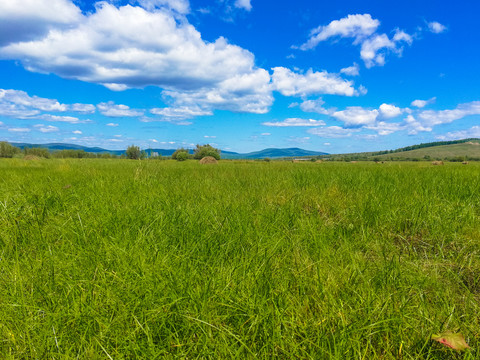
(242, 75)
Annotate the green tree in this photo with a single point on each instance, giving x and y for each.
(206, 150)
(182, 156)
(133, 152)
(7, 150)
(178, 151)
(37, 151)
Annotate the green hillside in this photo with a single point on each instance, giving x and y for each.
(470, 149)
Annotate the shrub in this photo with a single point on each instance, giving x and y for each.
(202, 151)
(7, 150)
(37, 151)
(181, 156)
(133, 152)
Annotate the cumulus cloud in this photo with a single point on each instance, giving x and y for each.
(423, 103)
(315, 106)
(29, 20)
(473, 132)
(66, 119)
(356, 26)
(356, 116)
(131, 47)
(295, 122)
(181, 113)
(243, 4)
(363, 30)
(289, 83)
(332, 132)
(353, 70)
(436, 28)
(78, 132)
(112, 124)
(19, 130)
(83, 108)
(180, 6)
(388, 111)
(431, 117)
(385, 128)
(111, 109)
(46, 128)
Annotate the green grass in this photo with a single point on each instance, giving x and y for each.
(112, 259)
(469, 149)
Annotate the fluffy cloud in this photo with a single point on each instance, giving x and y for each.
(436, 27)
(19, 130)
(66, 119)
(353, 70)
(111, 109)
(112, 124)
(315, 106)
(46, 128)
(295, 122)
(181, 113)
(423, 103)
(356, 116)
(363, 29)
(384, 128)
(332, 132)
(357, 26)
(243, 4)
(180, 6)
(473, 132)
(83, 108)
(389, 111)
(131, 47)
(431, 117)
(289, 83)
(29, 20)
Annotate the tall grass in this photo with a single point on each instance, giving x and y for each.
(108, 259)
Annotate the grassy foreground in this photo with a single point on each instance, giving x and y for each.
(111, 259)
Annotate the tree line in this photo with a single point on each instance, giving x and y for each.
(133, 152)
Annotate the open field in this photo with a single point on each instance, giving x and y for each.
(112, 259)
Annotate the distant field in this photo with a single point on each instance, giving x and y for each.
(118, 259)
(469, 149)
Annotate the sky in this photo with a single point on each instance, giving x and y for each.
(242, 75)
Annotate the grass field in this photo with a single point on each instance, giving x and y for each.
(118, 259)
(466, 150)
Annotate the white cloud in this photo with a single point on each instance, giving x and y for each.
(180, 6)
(181, 113)
(67, 119)
(78, 132)
(112, 124)
(289, 83)
(83, 108)
(315, 106)
(29, 20)
(295, 122)
(356, 116)
(17, 103)
(473, 132)
(209, 137)
(266, 134)
(414, 126)
(357, 26)
(384, 128)
(243, 4)
(19, 130)
(423, 103)
(431, 117)
(389, 111)
(353, 70)
(111, 109)
(46, 128)
(332, 132)
(436, 27)
(130, 47)
(363, 29)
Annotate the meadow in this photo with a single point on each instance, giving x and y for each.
(124, 259)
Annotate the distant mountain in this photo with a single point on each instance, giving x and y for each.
(266, 153)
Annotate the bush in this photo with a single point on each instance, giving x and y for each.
(36, 151)
(133, 152)
(181, 156)
(7, 150)
(178, 151)
(206, 150)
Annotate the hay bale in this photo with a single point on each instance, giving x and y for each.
(31, 157)
(465, 163)
(437, 163)
(208, 160)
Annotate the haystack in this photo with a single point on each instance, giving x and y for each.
(437, 163)
(31, 157)
(208, 160)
